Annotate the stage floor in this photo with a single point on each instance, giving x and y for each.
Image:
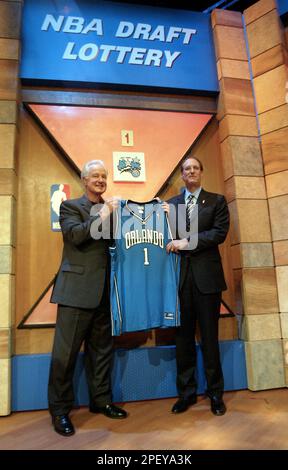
(254, 420)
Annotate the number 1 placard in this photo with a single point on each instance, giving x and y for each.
(127, 138)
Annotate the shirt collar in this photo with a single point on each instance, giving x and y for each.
(195, 193)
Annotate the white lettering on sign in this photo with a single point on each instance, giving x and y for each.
(144, 31)
(125, 30)
(73, 24)
(130, 55)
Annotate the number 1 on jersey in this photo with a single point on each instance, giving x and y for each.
(146, 260)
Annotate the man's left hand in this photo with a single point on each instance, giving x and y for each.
(176, 245)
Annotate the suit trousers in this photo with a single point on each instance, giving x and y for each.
(73, 326)
(204, 309)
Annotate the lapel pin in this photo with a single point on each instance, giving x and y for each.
(203, 201)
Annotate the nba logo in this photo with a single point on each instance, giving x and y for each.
(58, 193)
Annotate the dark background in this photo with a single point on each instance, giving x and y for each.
(194, 5)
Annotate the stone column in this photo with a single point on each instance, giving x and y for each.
(251, 243)
(10, 21)
(269, 58)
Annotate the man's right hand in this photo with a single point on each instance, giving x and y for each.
(110, 205)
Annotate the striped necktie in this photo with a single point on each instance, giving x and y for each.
(191, 202)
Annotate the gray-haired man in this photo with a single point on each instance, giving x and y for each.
(81, 291)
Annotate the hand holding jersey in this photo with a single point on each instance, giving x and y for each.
(177, 245)
(109, 206)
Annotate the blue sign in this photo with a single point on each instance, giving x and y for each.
(103, 43)
(282, 7)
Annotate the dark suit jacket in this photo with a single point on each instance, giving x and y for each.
(81, 277)
(213, 225)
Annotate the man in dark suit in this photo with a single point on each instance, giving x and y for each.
(81, 291)
(201, 283)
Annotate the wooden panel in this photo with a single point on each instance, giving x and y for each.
(227, 159)
(257, 255)
(228, 329)
(270, 89)
(128, 99)
(237, 277)
(234, 223)
(268, 60)
(241, 156)
(281, 252)
(282, 283)
(226, 18)
(274, 119)
(277, 184)
(7, 147)
(236, 256)
(279, 217)
(249, 187)
(285, 350)
(208, 151)
(10, 19)
(9, 48)
(228, 295)
(264, 361)
(8, 79)
(6, 296)
(34, 273)
(8, 182)
(284, 326)
(274, 151)
(8, 112)
(7, 259)
(245, 187)
(264, 33)
(5, 386)
(261, 327)
(237, 97)
(229, 43)
(258, 9)
(230, 190)
(5, 343)
(260, 291)
(237, 125)
(233, 69)
(37, 341)
(6, 220)
(220, 104)
(250, 230)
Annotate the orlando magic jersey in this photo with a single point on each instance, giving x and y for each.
(144, 278)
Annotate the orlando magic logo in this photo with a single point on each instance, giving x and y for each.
(130, 164)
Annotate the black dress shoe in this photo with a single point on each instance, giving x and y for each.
(62, 424)
(110, 410)
(183, 404)
(218, 407)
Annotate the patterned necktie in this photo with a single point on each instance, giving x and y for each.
(191, 202)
